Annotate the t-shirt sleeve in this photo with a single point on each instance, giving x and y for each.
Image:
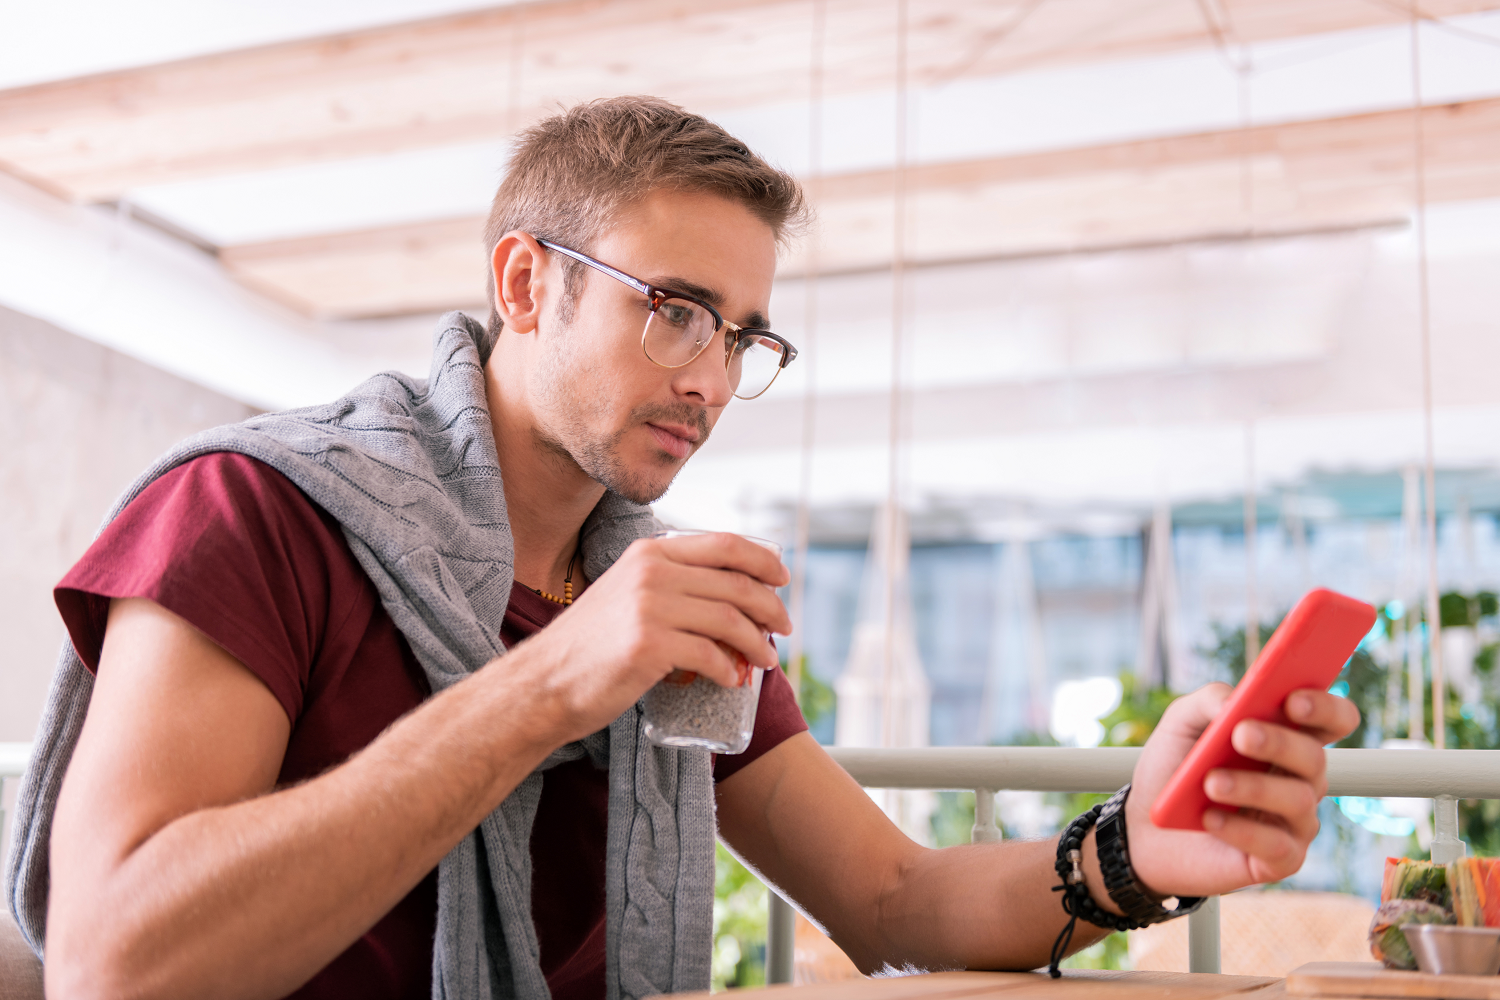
(231, 546)
(777, 718)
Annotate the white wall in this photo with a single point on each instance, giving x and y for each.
(77, 423)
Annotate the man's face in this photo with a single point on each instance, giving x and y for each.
(628, 423)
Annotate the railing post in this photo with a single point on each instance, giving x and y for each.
(985, 830)
(1446, 845)
(781, 938)
(1203, 937)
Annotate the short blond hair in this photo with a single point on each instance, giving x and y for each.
(571, 174)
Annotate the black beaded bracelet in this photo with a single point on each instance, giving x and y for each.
(1076, 901)
(1142, 907)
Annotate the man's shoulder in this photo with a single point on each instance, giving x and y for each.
(232, 490)
(224, 523)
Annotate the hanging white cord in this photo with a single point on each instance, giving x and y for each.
(1238, 57)
(1242, 72)
(898, 323)
(1252, 530)
(984, 44)
(1424, 311)
(809, 352)
(1439, 23)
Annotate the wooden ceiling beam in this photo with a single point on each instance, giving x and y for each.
(1331, 174)
(449, 80)
(419, 267)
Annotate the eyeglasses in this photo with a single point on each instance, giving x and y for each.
(682, 326)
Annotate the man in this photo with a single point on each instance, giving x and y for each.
(303, 756)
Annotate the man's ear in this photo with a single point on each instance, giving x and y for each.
(519, 267)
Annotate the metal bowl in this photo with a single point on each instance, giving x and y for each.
(1447, 950)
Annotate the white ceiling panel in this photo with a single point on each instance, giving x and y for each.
(331, 197)
(60, 39)
(1078, 106)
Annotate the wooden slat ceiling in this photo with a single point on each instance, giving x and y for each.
(1338, 173)
(451, 80)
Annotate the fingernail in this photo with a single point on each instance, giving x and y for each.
(1252, 736)
(1213, 820)
(1299, 706)
(1220, 786)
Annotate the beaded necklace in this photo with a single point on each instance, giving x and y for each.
(567, 596)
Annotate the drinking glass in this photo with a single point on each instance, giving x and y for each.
(688, 710)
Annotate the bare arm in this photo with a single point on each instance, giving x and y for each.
(176, 873)
(178, 870)
(796, 817)
(800, 820)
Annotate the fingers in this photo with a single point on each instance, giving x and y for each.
(1264, 821)
(1282, 800)
(1289, 794)
(701, 655)
(722, 550)
(1296, 753)
(722, 621)
(1180, 727)
(754, 600)
(1273, 852)
(1326, 717)
(1189, 715)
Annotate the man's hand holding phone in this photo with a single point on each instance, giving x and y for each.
(1227, 791)
(1261, 823)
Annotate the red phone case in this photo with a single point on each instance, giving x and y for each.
(1307, 651)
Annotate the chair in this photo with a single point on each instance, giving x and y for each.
(1266, 933)
(20, 972)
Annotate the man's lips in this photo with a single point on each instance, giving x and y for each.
(676, 440)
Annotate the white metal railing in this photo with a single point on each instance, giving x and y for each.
(1442, 775)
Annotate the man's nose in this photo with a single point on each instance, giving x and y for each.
(706, 377)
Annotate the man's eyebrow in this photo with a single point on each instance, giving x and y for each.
(755, 321)
(709, 295)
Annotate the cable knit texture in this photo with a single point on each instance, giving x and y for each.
(409, 469)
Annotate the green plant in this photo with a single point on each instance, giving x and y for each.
(1456, 609)
(739, 957)
(740, 916)
(814, 697)
(1139, 711)
(1228, 650)
(953, 819)
(1362, 680)
(1113, 952)
(1364, 683)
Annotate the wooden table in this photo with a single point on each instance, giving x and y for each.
(1076, 984)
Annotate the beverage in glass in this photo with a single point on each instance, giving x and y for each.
(685, 709)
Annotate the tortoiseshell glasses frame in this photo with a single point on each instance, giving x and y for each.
(681, 326)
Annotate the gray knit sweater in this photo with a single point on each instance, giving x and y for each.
(409, 469)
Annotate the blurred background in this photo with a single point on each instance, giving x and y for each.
(1125, 323)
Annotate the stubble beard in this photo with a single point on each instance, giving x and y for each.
(598, 456)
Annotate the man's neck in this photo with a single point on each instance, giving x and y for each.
(547, 496)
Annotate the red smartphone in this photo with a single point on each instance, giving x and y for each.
(1308, 650)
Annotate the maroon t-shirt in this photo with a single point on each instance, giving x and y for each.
(231, 546)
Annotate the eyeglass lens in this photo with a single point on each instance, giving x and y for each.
(678, 331)
(753, 365)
